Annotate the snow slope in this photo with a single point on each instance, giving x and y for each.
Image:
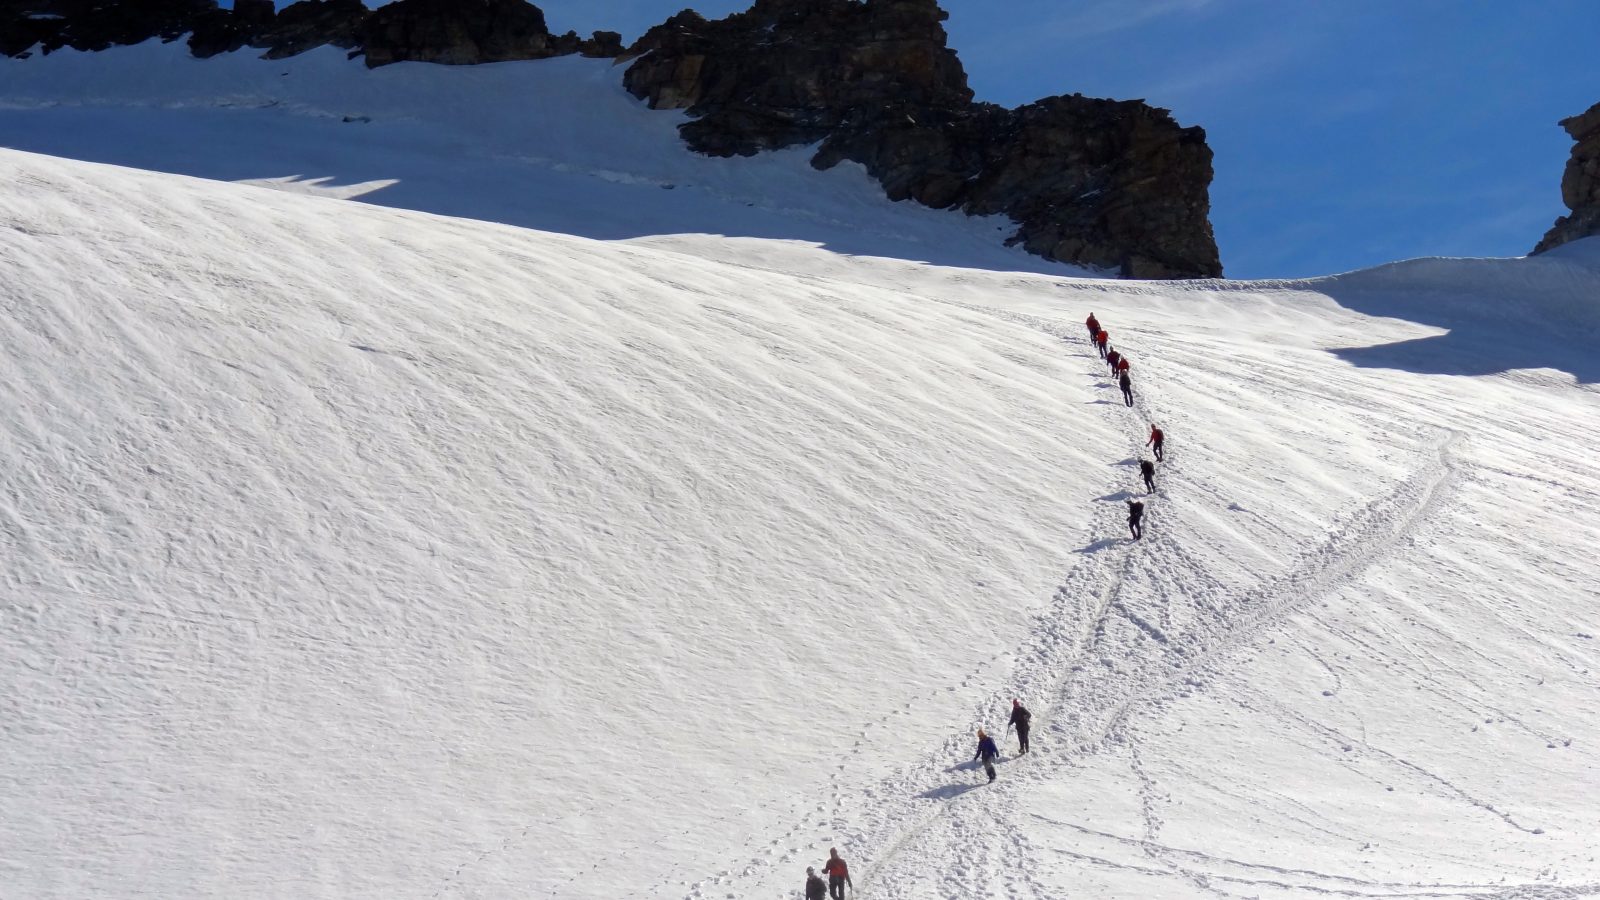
(363, 552)
(555, 144)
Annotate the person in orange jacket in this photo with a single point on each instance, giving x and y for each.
(1157, 438)
(1100, 341)
(838, 874)
(1120, 366)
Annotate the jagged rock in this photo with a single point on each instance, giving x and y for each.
(458, 32)
(95, 24)
(309, 24)
(1580, 184)
(224, 31)
(24, 25)
(793, 71)
(603, 45)
(1116, 185)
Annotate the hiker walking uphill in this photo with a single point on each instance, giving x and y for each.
(1100, 342)
(1157, 438)
(1136, 518)
(1093, 324)
(838, 875)
(1120, 366)
(1023, 720)
(987, 752)
(1112, 358)
(1147, 469)
(1126, 383)
(815, 889)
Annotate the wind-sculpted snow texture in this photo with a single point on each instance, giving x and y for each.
(360, 552)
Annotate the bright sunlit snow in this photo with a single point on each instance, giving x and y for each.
(363, 552)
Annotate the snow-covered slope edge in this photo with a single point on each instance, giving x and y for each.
(360, 552)
(554, 144)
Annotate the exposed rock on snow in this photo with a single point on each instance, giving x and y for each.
(1580, 185)
(453, 32)
(310, 24)
(457, 32)
(1115, 185)
(222, 31)
(91, 25)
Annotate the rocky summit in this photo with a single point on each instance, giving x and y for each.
(1113, 185)
(1580, 184)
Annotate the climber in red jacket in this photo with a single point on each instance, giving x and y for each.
(1157, 438)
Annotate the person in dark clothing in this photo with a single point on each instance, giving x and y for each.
(1111, 360)
(1136, 518)
(1023, 720)
(815, 889)
(838, 874)
(987, 751)
(1126, 383)
(1157, 438)
(1100, 342)
(1148, 470)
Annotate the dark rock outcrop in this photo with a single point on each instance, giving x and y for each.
(1116, 185)
(224, 31)
(24, 24)
(602, 45)
(309, 24)
(97, 24)
(458, 32)
(1580, 184)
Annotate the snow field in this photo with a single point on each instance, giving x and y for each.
(340, 574)
(355, 551)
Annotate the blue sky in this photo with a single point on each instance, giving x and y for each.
(1347, 132)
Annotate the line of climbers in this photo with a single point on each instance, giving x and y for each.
(1119, 365)
(1021, 719)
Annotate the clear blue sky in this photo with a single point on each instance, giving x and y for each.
(1346, 132)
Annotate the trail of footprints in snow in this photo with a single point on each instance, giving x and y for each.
(819, 824)
(1047, 648)
(1384, 523)
(1325, 570)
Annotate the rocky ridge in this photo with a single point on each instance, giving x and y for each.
(1115, 185)
(1580, 183)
